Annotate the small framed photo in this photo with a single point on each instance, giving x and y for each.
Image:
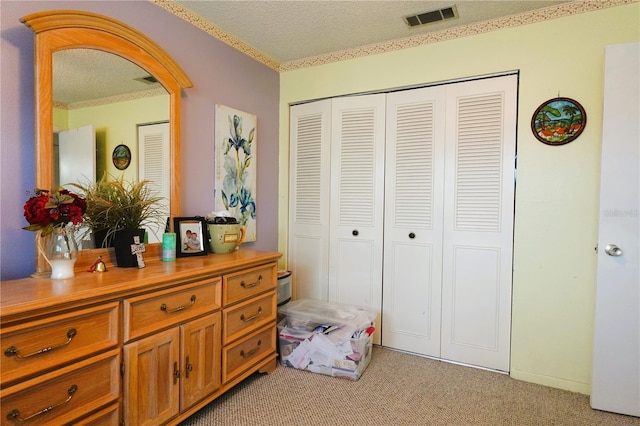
(190, 236)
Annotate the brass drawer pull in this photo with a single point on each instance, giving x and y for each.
(166, 310)
(252, 317)
(13, 351)
(253, 284)
(14, 415)
(251, 352)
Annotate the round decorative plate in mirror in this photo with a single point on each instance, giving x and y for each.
(121, 157)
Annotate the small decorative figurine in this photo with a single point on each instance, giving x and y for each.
(138, 248)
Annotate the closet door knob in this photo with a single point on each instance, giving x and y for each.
(355, 232)
(613, 250)
(412, 235)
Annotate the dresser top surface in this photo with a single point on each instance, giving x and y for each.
(25, 295)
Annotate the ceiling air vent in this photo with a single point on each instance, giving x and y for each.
(431, 17)
(148, 79)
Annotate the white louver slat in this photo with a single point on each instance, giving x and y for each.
(308, 169)
(413, 202)
(357, 167)
(479, 163)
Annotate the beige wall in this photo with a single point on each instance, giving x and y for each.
(556, 216)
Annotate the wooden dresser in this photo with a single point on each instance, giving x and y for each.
(136, 346)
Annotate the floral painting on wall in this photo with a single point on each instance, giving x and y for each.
(235, 173)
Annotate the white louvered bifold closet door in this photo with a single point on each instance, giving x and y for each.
(403, 202)
(309, 170)
(478, 222)
(357, 202)
(448, 221)
(154, 165)
(414, 168)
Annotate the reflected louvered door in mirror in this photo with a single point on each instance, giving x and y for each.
(154, 165)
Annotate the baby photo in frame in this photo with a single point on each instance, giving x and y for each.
(190, 236)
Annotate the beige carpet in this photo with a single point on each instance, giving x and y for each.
(400, 389)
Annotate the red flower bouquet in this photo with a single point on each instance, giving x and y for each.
(45, 211)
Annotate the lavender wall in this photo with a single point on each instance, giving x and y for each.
(220, 75)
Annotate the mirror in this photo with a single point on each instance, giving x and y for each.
(106, 110)
(64, 29)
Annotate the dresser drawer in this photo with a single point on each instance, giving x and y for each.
(248, 316)
(155, 311)
(65, 395)
(248, 283)
(240, 356)
(37, 346)
(109, 416)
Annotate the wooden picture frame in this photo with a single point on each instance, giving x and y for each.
(190, 236)
(558, 121)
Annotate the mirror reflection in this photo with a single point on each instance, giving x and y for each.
(109, 116)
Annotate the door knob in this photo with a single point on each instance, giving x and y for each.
(613, 250)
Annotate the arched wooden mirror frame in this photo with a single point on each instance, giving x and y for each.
(69, 29)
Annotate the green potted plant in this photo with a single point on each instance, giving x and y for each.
(117, 210)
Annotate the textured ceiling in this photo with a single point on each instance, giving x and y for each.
(281, 32)
(292, 30)
(86, 74)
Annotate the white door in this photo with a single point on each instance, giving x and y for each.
(478, 221)
(77, 148)
(309, 170)
(77, 164)
(154, 165)
(413, 220)
(357, 202)
(616, 354)
(449, 221)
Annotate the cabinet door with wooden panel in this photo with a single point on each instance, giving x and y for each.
(167, 372)
(200, 358)
(151, 378)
